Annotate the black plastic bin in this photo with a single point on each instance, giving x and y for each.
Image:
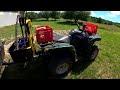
(21, 55)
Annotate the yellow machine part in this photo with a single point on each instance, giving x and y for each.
(31, 36)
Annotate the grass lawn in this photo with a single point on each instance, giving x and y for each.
(106, 65)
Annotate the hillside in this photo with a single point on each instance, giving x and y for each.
(106, 64)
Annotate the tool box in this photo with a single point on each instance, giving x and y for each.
(44, 34)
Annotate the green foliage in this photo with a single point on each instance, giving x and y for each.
(68, 15)
(103, 21)
(84, 15)
(40, 15)
(32, 15)
(76, 15)
(55, 14)
(45, 14)
(99, 20)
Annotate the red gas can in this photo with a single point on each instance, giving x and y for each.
(44, 34)
(90, 28)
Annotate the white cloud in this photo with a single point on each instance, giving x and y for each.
(102, 16)
(1, 13)
(113, 14)
(93, 13)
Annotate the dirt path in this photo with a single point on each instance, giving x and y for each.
(7, 58)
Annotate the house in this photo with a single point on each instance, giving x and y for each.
(7, 18)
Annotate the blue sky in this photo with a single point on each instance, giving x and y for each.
(113, 16)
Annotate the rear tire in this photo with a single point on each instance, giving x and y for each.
(94, 53)
(60, 66)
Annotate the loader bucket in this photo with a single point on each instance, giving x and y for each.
(21, 55)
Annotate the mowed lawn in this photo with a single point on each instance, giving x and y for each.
(106, 65)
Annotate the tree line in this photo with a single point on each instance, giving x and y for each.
(70, 15)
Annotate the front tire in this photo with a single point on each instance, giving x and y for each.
(94, 53)
(60, 66)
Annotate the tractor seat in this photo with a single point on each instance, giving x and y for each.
(61, 38)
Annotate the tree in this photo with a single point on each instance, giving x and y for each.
(45, 14)
(32, 15)
(76, 15)
(68, 14)
(39, 14)
(83, 15)
(99, 20)
(93, 19)
(110, 23)
(55, 14)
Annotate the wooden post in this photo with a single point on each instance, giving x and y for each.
(2, 53)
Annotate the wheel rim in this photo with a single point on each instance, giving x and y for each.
(94, 54)
(62, 68)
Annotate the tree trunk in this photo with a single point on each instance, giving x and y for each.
(75, 22)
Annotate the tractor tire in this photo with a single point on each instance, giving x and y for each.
(60, 66)
(94, 53)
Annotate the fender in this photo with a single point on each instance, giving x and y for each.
(94, 38)
(77, 34)
(61, 49)
(78, 40)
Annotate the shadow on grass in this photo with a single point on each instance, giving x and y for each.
(79, 67)
(37, 70)
(69, 23)
(33, 70)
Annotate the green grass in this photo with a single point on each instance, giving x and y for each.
(8, 32)
(57, 25)
(107, 63)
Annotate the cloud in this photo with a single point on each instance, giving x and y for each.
(113, 14)
(102, 16)
(93, 13)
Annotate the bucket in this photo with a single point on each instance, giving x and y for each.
(21, 55)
